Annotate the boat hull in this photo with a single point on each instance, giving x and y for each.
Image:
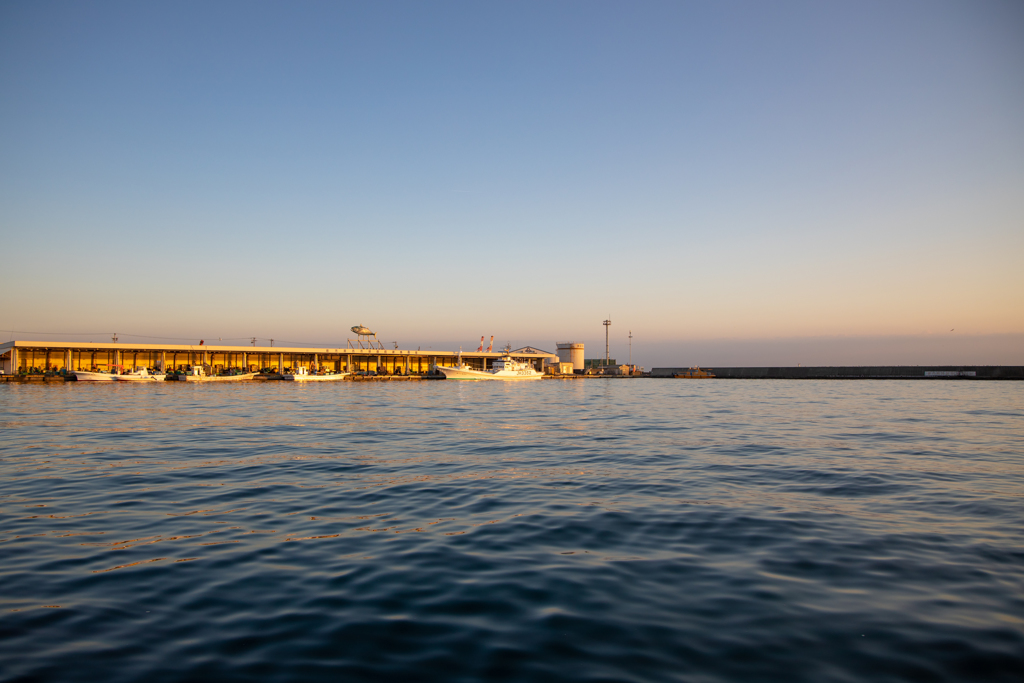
(83, 376)
(140, 378)
(504, 375)
(220, 378)
(316, 378)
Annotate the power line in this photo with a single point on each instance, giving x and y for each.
(66, 334)
(189, 339)
(121, 334)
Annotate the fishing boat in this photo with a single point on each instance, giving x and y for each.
(85, 376)
(693, 373)
(303, 375)
(198, 374)
(140, 374)
(504, 368)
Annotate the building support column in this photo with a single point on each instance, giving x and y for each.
(280, 363)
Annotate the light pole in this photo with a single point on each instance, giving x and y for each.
(606, 324)
(631, 347)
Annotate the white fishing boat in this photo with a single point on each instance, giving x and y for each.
(140, 375)
(504, 368)
(302, 375)
(85, 376)
(198, 374)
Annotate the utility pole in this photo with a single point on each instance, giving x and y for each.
(631, 347)
(606, 324)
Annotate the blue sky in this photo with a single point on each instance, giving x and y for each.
(699, 172)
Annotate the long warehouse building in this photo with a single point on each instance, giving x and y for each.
(50, 357)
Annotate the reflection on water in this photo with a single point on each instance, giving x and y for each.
(614, 530)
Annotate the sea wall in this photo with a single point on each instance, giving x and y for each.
(862, 372)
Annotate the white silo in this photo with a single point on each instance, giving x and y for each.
(571, 352)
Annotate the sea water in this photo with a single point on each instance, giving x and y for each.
(604, 530)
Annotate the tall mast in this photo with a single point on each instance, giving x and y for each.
(606, 324)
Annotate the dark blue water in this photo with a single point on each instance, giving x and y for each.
(634, 530)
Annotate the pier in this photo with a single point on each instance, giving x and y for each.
(31, 358)
(51, 361)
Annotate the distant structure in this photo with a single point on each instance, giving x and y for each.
(571, 352)
(597, 364)
(363, 335)
(607, 324)
(531, 351)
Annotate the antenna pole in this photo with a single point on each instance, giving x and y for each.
(606, 324)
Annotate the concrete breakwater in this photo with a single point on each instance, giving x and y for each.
(925, 372)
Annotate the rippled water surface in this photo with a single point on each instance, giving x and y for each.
(645, 530)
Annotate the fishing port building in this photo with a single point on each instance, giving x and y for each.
(39, 357)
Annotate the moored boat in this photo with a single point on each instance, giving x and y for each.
(85, 376)
(198, 374)
(504, 368)
(303, 375)
(140, 375)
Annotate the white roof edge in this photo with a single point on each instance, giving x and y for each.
(184, 348)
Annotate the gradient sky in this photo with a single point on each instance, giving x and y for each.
(741, 172)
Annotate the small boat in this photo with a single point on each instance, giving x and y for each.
(302, 375)
(504, 368)
(693, 373)
(198, 374)
(84, 376)
(140, 375)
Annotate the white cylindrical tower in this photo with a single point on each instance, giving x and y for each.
(571, 352)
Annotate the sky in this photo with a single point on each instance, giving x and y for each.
(733, 183)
